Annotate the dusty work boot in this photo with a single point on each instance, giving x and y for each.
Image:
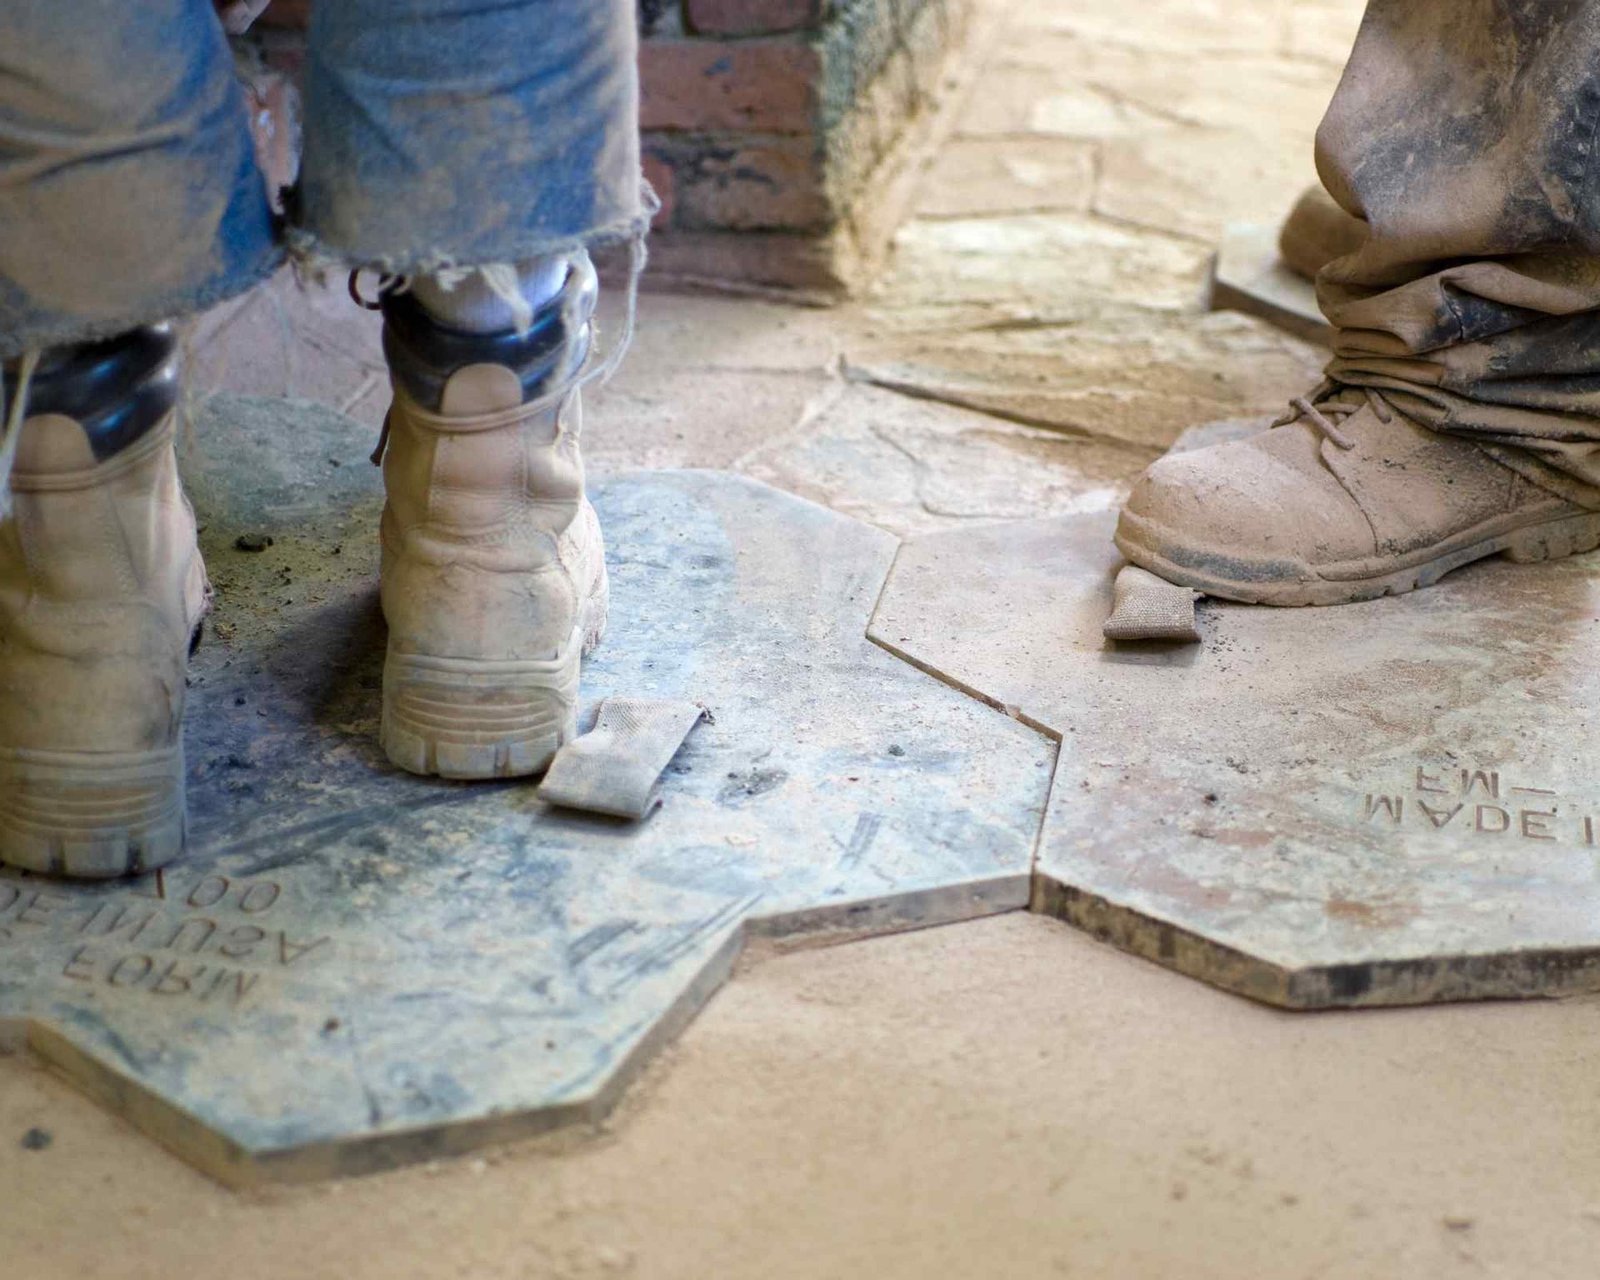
(102, 591)
(494, 577)
(1345, 500)
(1316, 232)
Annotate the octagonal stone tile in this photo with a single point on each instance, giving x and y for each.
(1378, 804)
(354, 968)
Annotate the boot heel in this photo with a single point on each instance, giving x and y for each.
(1555, 540)
(467, 718)
(91, 815)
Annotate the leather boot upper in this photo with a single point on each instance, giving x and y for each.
(1300, 503)
(101, 588)
(489, 546)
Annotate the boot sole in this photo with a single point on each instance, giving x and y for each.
(91, 815)
(467, 718)
(1346, 583)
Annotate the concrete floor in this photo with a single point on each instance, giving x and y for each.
(1005, 1098)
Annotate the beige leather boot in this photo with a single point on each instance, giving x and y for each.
(494, 579)
(1348, 501)
(101, 593)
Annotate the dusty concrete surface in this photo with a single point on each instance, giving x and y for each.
(1005, 1098)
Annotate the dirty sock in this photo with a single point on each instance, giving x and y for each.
(493, 298)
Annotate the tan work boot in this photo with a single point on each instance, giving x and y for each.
(1316, 232)
(494, 577)
(101, 594)
(1348, 501)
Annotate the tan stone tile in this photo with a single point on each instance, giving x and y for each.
(1042, 262)
(911, 465)
(1194, 181)
(695, 417)
(1270, 99)
(1188, 27)
(1005, 99)
(1087, 111)
(1135, 379)
(973, 177)
(679, 331)
(1324, 30)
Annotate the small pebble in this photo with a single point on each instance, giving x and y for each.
(895, 749)
(252, 542)
(37, 1139)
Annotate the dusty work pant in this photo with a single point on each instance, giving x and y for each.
(437, 133)
(1465, 133)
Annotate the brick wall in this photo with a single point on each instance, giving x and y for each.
(766, 126)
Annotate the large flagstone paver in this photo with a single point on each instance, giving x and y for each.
(353, 968)
(1387, 803)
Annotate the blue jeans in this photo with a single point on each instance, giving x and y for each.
(438, 133)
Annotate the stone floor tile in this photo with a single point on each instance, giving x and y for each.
(680, 332)
(456, 964)
(1041, 261)
(1138, 380)
(911, 465)
(1006, 98)
(1189, 28)
(1376, 804)
(694, 417)
(973, 177)
(1322, 30)
(1167, 179)
(1271, 103)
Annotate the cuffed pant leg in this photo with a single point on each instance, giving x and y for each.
(444, 133)
(129, 190)
(1465, 134)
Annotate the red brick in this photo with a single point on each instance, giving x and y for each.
(658, 173)
(772, 185)
(751, 85)
(750, 17)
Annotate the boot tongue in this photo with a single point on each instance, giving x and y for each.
(480, 388)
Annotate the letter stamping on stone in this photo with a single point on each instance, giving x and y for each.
(1393, 807)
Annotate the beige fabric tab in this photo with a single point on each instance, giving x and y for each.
(613, 769)
(1145, 607)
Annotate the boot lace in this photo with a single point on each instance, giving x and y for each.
(11, 434)
(1330, 404)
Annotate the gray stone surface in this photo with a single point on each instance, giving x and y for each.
(354, 968)
(1376, 804)
(1250, 277)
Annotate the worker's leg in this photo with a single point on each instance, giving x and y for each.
(478, 151)
(128, 194)
(1462, 416)
(128, 185)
